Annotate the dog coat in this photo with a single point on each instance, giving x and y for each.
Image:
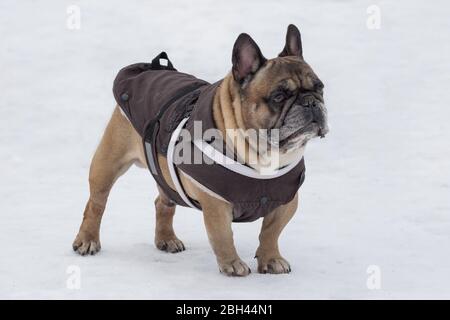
(159, 101)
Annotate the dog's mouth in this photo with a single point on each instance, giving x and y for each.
(303, 135)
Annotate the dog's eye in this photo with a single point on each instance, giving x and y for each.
(279, 97)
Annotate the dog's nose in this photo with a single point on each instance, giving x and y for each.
(308, 101)
(318, 85)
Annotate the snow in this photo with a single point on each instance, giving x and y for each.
(377, 188)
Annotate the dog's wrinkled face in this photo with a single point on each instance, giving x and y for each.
(281, 94)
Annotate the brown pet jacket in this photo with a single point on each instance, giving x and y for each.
(155, 98)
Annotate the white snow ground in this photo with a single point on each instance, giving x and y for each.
(377, 189)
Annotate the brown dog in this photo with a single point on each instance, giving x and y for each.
(282, 93)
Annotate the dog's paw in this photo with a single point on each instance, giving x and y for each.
(170, 245)
(86, 245)
(236, 268)
(274, 266)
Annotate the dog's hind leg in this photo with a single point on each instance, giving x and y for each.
(116, 152)
(165, 238)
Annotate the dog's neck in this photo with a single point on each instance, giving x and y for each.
(227, 113)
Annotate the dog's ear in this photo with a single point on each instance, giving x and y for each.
(246, 58)
(293, 46)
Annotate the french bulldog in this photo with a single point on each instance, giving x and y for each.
(282, 94)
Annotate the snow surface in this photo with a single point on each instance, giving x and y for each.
(377, 189)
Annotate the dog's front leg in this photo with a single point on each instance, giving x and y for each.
(218, 218)
(268, 253)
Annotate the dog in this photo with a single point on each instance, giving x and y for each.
(281, 95)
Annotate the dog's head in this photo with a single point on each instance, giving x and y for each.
(281, 94)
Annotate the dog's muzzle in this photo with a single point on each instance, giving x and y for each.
(320, 118)
(316, 107)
